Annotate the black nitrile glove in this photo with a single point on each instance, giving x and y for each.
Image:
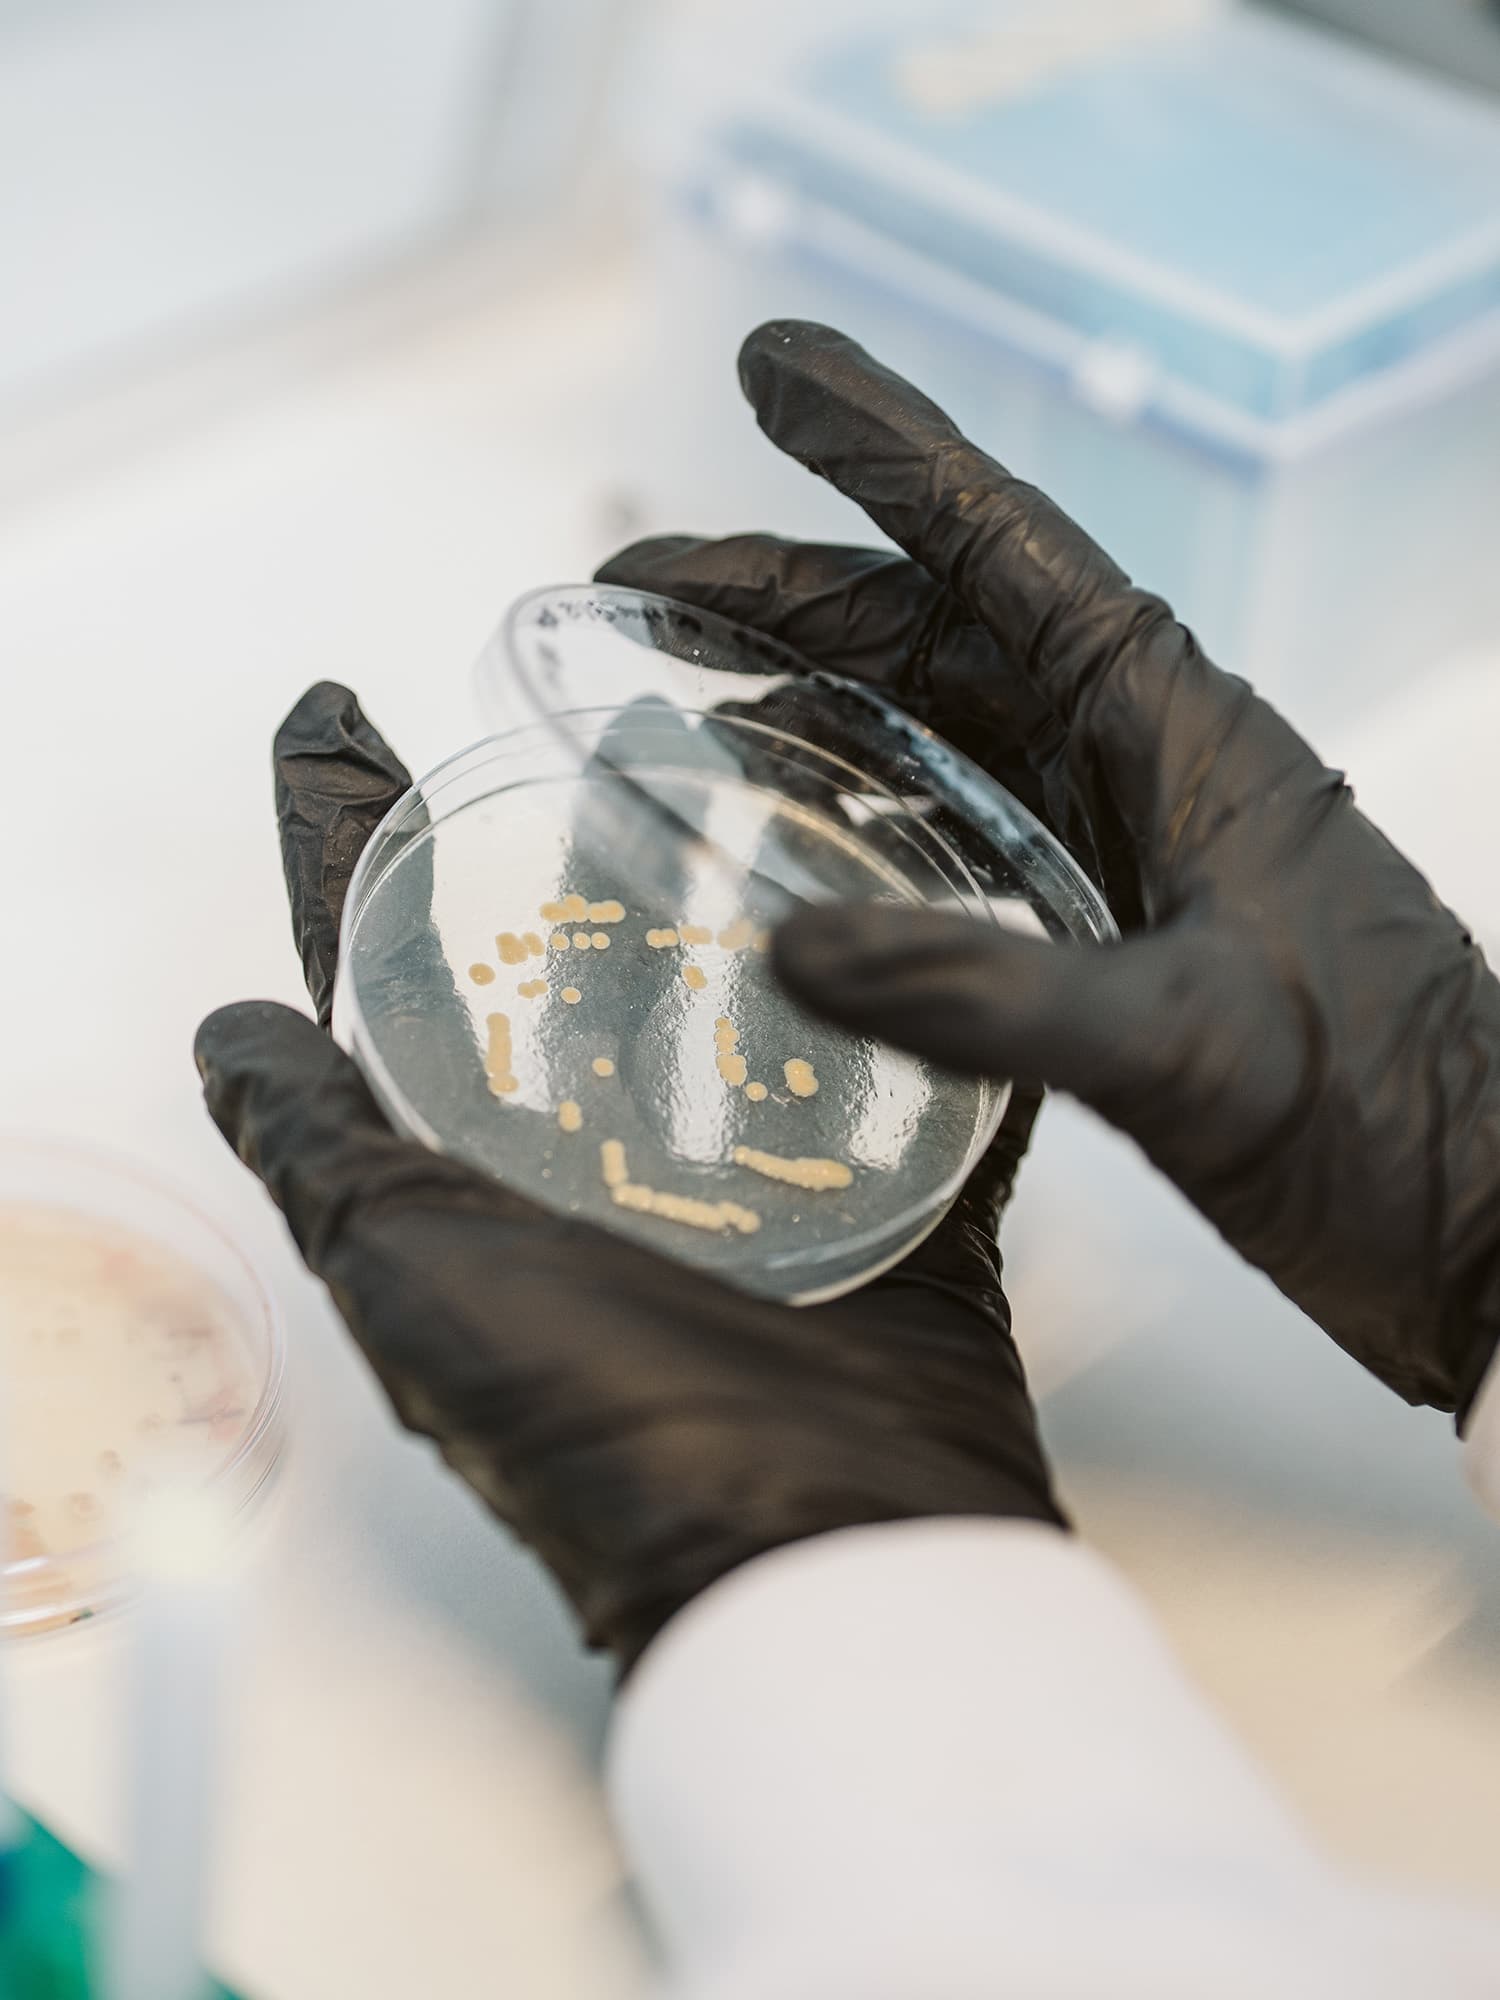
(1294, 1030)
(644, 1428)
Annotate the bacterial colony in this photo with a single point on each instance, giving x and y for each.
(576, 927)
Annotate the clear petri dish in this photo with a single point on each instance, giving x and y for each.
(553, 962)
(138, 1349)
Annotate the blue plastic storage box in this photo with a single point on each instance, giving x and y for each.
(1228, 287)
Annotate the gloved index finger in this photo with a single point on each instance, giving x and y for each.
(854, 611)
(1051, 597)
(336, 778)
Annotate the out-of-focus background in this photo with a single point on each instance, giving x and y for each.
(327, 330)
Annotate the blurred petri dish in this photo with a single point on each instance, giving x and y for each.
(138, 1349)
(553, 960)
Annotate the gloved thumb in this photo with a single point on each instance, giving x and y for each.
(1088, 1019)
(299, 1114)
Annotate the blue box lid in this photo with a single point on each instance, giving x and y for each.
(1263, 214)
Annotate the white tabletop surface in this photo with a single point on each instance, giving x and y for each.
(410, 1805)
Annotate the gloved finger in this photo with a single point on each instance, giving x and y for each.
(878, 618)
(1171, 1035)
(871, 615)
(853, 611)
(1052, 598)
(302, 1118)
(336, 778)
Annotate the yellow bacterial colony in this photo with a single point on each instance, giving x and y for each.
(689, 1211)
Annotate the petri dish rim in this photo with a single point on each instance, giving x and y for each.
(374, 867)
(69, 1607)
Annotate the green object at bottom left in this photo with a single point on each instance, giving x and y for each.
(52, 1911)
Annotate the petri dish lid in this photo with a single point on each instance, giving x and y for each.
(578, 656)
(138, 1349)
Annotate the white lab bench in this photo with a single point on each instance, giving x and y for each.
(410, 1805)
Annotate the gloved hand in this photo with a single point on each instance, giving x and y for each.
(1294, 1030)
(643, 1427)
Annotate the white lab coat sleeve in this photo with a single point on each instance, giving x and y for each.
(1482, 1441)
(953, 1760)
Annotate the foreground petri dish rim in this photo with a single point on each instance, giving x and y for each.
(249, 1468)
(385, 851)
